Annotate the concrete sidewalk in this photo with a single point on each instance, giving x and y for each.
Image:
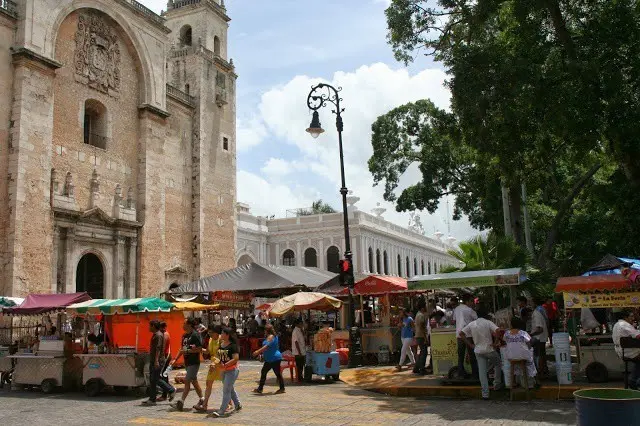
(387, 380)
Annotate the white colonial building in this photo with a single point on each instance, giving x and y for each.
(378, 246)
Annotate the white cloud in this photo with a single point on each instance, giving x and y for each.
(267, 198)
(250, 134)
(368, 92)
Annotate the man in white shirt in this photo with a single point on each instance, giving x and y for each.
(480, 336)
(624, 328)
(540, 335)
(463, 315)
(299, 348)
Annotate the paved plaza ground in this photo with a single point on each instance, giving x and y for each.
(321, 404)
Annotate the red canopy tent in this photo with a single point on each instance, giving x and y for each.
(377, 284)
(593, 282)
(40, 304)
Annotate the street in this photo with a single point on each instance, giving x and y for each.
(321, 403)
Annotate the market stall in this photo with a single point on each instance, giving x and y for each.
(444, 340)
(320, 360)
(596, 353)
(44, 363)
(6, 339)
(121, 361)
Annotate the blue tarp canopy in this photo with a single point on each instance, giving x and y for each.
(612, 265)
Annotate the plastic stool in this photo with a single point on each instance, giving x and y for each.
(525, 377)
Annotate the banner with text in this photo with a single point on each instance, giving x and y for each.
(601, 300)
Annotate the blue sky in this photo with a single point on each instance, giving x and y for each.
(282, 47)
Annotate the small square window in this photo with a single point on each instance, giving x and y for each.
(225, 144)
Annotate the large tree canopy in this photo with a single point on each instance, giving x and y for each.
(545, 93)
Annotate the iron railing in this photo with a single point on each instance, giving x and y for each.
(10, 7)
(180, 95)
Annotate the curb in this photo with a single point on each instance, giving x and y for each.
(473, 392)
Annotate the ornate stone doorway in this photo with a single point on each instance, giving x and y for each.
(90, 276)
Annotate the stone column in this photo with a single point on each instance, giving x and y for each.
(54, 259)
(131, 290)
(119, 266)
(278, 257)
(354, 249)
(299, 257)
(69, 266)
(363, 254)
(322, 256)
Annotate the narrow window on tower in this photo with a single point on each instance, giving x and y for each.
(225, 144)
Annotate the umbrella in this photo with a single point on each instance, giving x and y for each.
(264, 307)
(304, 301)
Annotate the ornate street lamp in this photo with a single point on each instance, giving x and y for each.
(320, 95)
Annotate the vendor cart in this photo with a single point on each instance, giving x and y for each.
(322, 361)
(45, 368)
(124, 361)
(444, 340)
(597, 357)
(44, 364)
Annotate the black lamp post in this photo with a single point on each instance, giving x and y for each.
(320, 95)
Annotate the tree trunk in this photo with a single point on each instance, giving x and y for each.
(560, 27)
(562, 212)
(515, 205)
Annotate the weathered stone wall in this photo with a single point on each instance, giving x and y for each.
(7, 33)
(177, 223)
(30, 227)
(161, 156)
(117, 164)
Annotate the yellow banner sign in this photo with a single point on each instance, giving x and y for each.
(601, 300)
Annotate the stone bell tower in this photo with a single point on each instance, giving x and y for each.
(197, 63)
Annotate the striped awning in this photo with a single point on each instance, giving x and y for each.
(120, 306)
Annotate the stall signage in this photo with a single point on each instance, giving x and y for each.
(488, 281)
(94, 366)
(230, 299)
(601, 300)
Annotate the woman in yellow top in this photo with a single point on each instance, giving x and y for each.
(214, 373)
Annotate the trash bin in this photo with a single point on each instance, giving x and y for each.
(607, 406)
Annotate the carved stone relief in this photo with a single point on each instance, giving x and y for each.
(97, 55)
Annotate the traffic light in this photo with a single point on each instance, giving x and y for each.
(346, 272)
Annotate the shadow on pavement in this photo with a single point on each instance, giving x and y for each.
(553, 412)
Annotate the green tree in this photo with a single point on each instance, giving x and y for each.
(492, 251)
(317, 207)
(544, 92)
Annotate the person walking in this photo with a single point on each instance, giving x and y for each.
(480, 336)
(167, 360)
(227, 360)
(421, 338)
(272, 359)
(299, 348)
(214, 374)
(191, 349)
(406, 335)
(156, 359)
(463, 315)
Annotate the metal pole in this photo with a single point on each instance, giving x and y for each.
(316, 100)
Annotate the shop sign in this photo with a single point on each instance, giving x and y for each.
(574, 300)
(231, 300)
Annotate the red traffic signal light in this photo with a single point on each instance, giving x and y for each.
(344, 265)
(346, 270)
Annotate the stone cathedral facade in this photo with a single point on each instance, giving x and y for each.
(117, 146)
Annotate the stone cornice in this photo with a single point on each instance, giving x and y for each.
(22, 54)
(146, 13)
(154, 111)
